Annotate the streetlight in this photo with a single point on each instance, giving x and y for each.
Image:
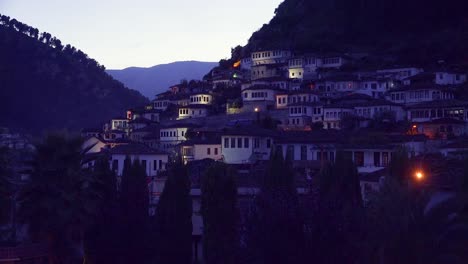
(257, 110)
(419, 175)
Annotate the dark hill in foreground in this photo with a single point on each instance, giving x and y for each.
(45, 85)
(407, 31)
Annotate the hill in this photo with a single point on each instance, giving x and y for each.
(415, 31)
(156, 79)
(46, 85)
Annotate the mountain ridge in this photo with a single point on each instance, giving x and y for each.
(156, 79)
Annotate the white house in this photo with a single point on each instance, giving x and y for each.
(259, 96)
(246, 145)
(450, 78)
(172, 135)
(198, 149)
(193, 111)
(333, 113)
(262, 71)
(270, 57)
(201, 99)
(429, 111)
(303, 114)
(413, 94)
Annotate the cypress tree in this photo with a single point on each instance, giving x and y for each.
(174, 218)
(220, 215)
(101, 237)
(275, 228)
(134, 202)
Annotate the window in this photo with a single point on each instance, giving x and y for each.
(233, 143)
(246, 142)
(256, 143)
(303, 152)
(208, 151)
(160, 165)
(385, 159)
(216, 151)
(377, 159)
(115, 165)
(155, 165)
(143, 164)
(290, 151)
(239, 142)
(268, 143)
(359, 158)
(226, 142)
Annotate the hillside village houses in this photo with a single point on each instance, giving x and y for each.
(306, 105)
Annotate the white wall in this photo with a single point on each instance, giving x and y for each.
(201, 152)
(243, 154)
(150, 169)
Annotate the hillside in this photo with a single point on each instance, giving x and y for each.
(45, 85)
(415, 31)
(156, 79)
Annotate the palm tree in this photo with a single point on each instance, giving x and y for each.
(57, 203)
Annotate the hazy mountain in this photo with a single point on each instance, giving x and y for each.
(156, 79)
(45, 85)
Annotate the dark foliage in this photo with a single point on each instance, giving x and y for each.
(220, 215)
(174, 218)
(134, 202)
(46, 85)
(412, 31)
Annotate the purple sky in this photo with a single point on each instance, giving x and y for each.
(144, 33)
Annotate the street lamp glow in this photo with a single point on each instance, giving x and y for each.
(419, 175)
(256, 109)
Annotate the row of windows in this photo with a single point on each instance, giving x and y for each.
(160, 104)
(296, 62)
(398, 96)
(244, 142)
(172, 133)
(194, 99)
(297, 98)
(256, 95)
(331, 61)
(185, 111)
(439, 113)
(335, 114)
(266, 54)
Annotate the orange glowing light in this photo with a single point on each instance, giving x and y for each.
(236, 64)
(419, 175)
(414, 126)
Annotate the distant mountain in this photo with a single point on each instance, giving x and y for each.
(45, 85)
(156, 79)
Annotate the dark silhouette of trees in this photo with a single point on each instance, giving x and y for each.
(174, 218)
(5, 186)
(134, 203)
(274, 230)
(102, 235)
(220, 215)
(66, 88)
(57, 203)
(334, 225)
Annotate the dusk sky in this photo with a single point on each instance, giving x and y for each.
(144, 33)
